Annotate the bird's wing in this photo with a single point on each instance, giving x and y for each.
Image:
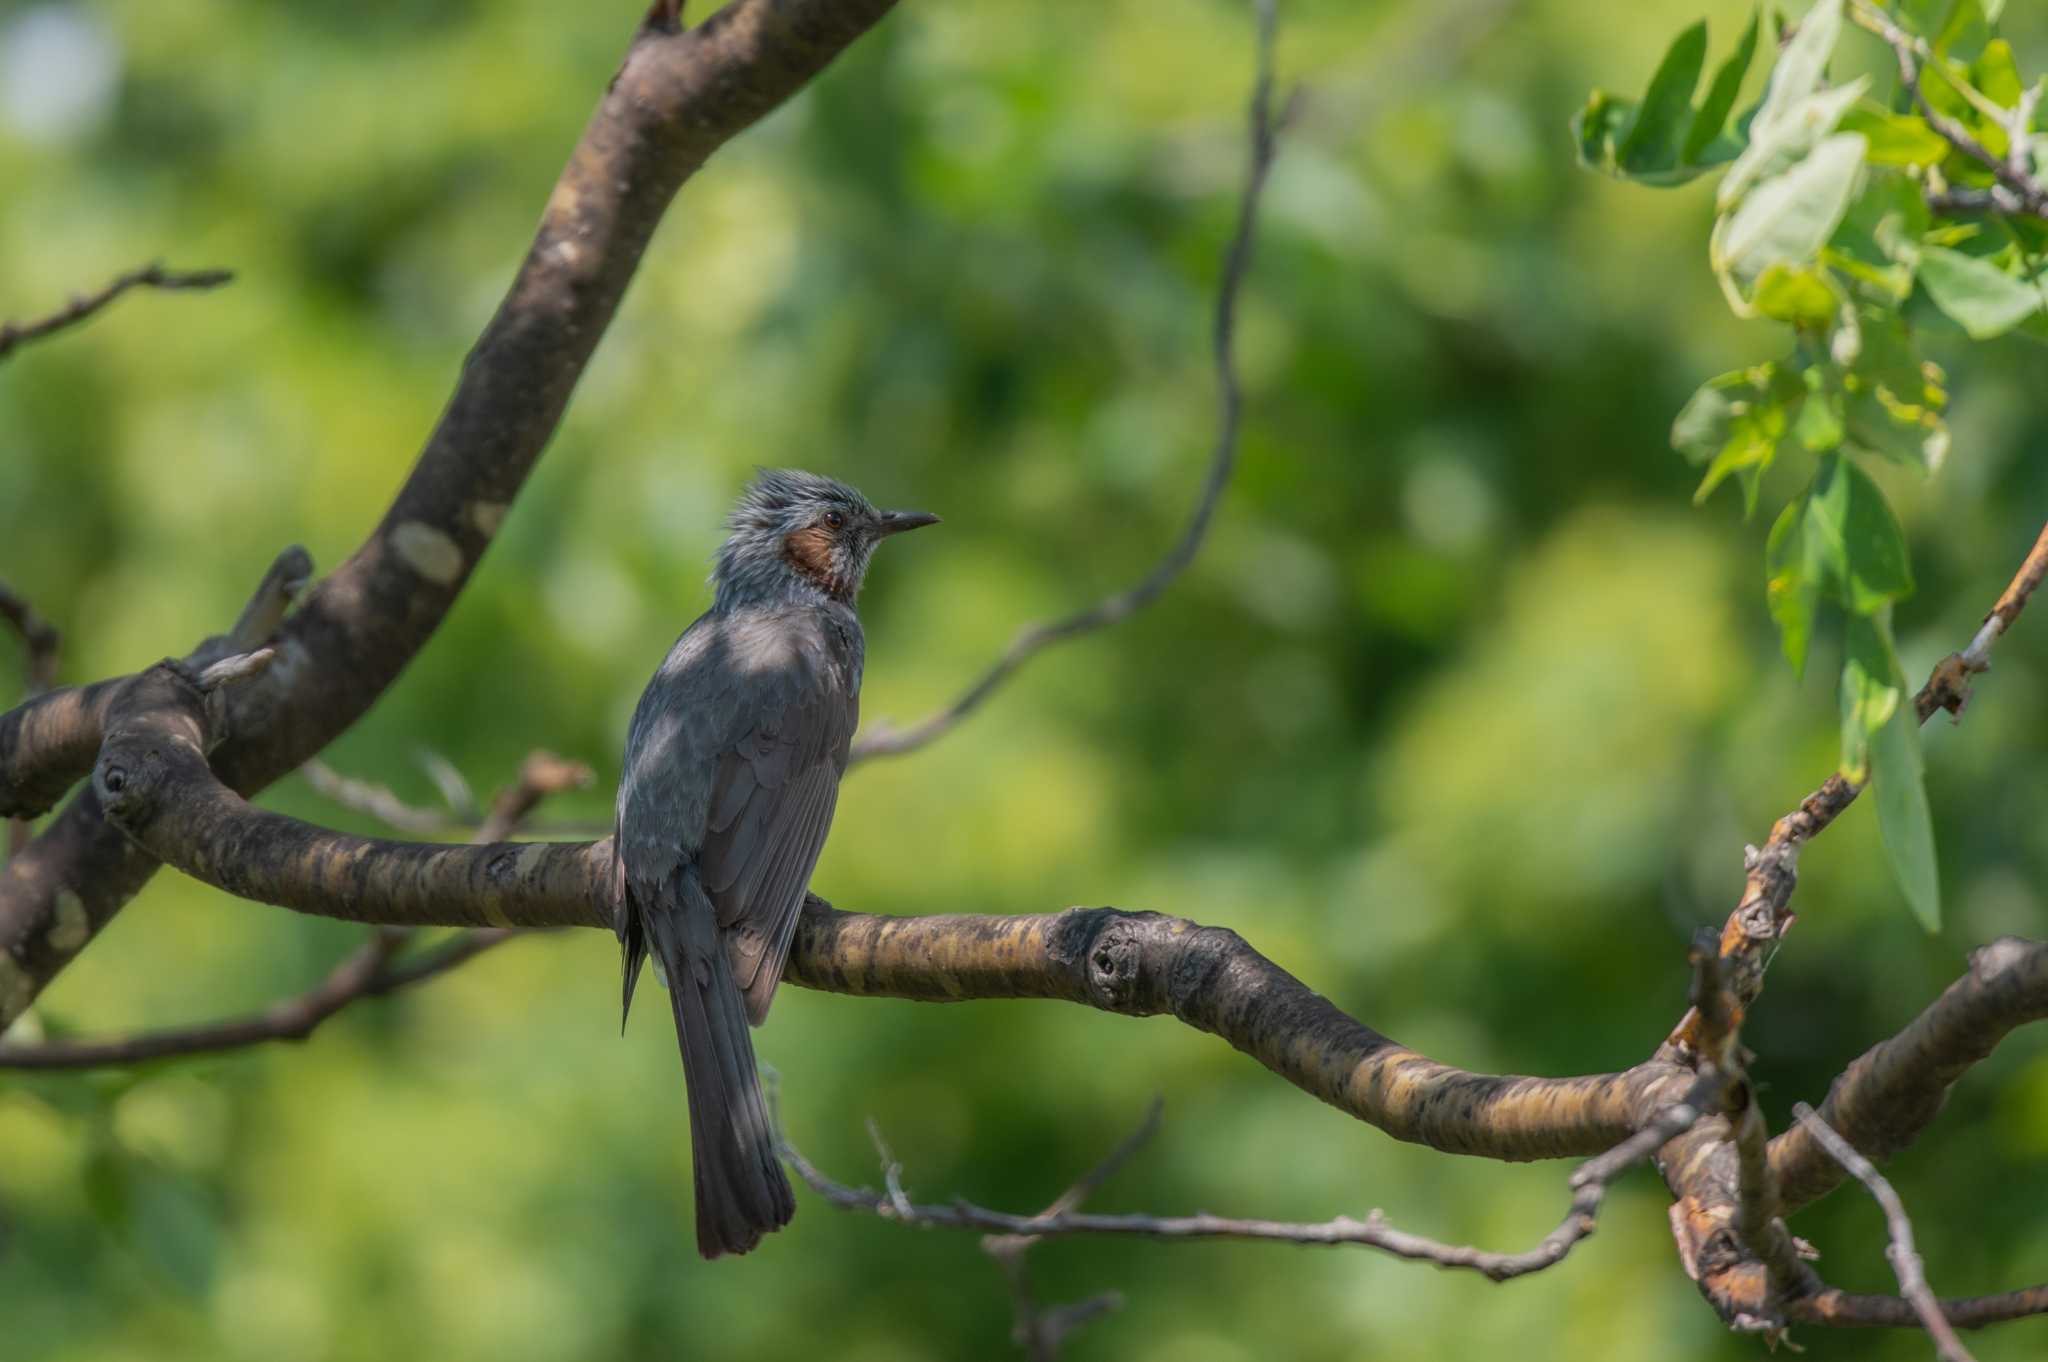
(740, 762)
(771, 806)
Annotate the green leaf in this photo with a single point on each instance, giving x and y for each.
(1733, 424)
(1997, 76)
(1653, 138)
(1896, 139)
(1790, 216)
(1982, 298)
(1713, 112)
(1792, 117)
(1852, 536)
(1799, 294)
(1899, 782)
(1791, 589)
(1870, 693)
(1819, 425)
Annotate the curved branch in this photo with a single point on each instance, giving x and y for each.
(1905, 1258)
(154, 782)
(373, 970)
(883, 740)
(85, 305)
(677, 97)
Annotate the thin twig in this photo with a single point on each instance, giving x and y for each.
(383, 804)
(84, 305)
(1589, 1183)
(42, 643)
(1042, 1330)
(372, 970)
(1905, 1260)
(883, 740)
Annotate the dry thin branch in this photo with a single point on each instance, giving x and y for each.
(1905, 1260)
(1041, 1330)
(373, 970)
(884, 740)
(84, 305)
(1589, 1185)
(383, 804)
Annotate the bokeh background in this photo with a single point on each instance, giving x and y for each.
(1464, 714)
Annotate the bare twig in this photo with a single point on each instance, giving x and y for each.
(383, 804)
(84, 305)
(1041, 1330)
(883, 740)
(1905, 1260)
(372, 970)
(1589, 1183)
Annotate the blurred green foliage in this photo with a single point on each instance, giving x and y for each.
(1463, 714)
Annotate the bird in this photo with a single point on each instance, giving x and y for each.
(731, 774)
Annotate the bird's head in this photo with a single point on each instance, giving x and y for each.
(797, 530)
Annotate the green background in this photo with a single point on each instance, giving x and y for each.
(1464, 714)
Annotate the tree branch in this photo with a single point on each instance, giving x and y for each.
(373, 970)
(84, 305)
(1904, 1259)
(1589, 1185)
(882, 740)
(2017, 191)
(41, 643)
(678, 96)
(1887, 1097)
(1764, 914)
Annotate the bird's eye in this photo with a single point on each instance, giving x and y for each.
(834, 520)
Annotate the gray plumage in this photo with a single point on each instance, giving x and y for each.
(731, 775)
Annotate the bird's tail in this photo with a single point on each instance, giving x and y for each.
(742, 1193)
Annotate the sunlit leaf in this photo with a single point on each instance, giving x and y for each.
(1789, 217)
(1799, 294)
(1896, 139)
(1982, 298)
(1869, 693)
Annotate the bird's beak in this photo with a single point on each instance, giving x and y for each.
(896, 522)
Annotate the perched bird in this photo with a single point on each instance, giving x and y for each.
(731, 774)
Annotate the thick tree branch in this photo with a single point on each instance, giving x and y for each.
(85, 305)
(154, 781)
(1893, 1092)
(882, 740)
(677, 97)
(374, 970)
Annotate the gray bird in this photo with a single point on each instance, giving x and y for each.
(731, 774)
